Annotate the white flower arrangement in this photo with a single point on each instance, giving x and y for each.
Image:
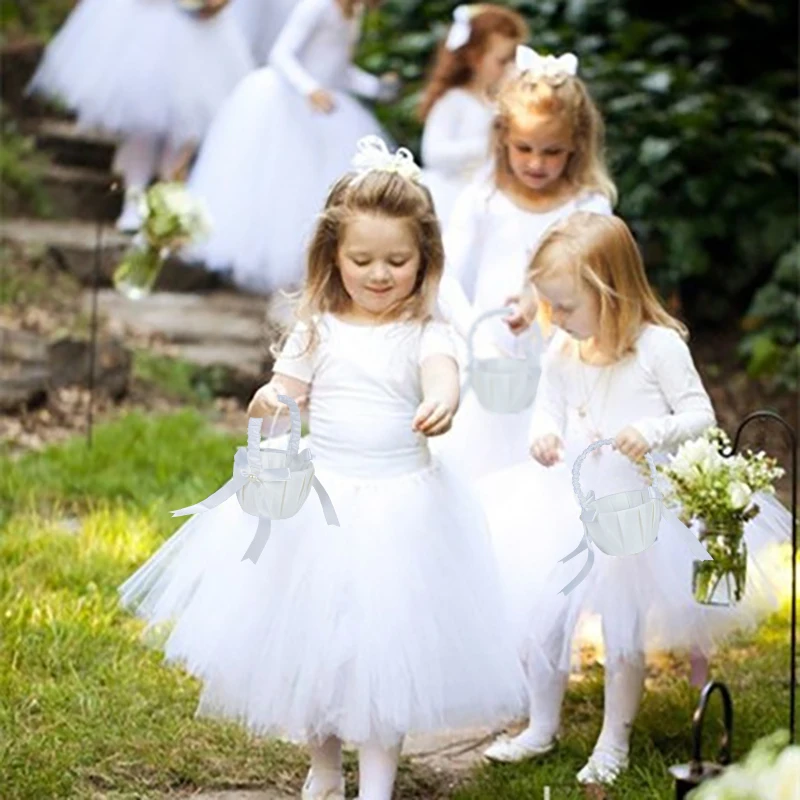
(771, 771)
(718, 492)
(711, 487)
(171, 219)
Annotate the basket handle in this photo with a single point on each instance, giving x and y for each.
(496, 312)
(254, 434)
(576, 471)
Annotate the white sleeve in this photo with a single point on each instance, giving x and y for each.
(295, 359)
(436, 339)
(667, 358)
(363, 83)
(596, 202)
(442, 149)
(550, 407)
(301, 23)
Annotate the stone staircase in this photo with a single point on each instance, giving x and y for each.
(206, 322)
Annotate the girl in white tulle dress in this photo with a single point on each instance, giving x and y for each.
(457, 105)
(393, 622)
(618, 368)
(150, 73)
(261, 22)
(548, 164)
(279, 143)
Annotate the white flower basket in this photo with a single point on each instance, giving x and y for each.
(267, 496)
(269, 484)
(505, 385)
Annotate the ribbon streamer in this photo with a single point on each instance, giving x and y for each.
(460, 30)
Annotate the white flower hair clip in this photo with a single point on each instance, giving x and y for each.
(528, 60)
(372, 155)
(460, 30)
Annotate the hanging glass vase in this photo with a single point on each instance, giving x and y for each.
(721, 582)
(140, 266)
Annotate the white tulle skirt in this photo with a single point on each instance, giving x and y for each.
(144, 67)
(645, 601)
(261, 22)
(390, 624)
(264, 172)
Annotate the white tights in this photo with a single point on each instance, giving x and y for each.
(141, 157)
(377, 768)
(624, 684)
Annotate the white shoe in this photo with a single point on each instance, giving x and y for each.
(603, 767)
(130, 220)
(511, 751)
(329, 794)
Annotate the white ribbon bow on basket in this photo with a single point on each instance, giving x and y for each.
(269, 492)
(528, 60)
(372, 154)
(624, 523)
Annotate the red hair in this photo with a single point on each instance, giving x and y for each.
(454, 68)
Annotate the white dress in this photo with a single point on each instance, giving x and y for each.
(393, 622)
(645, 601)
(488, 244)
(269, 159)
(455, 145)
(144, 67)
(261, 22)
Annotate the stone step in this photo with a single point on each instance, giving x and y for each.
(83, 193)
(18, 62)
(72, 244)
(220, 332)
(69, 146)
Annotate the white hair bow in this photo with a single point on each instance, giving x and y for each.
(372, 154)
(460, 30)
(528, 60)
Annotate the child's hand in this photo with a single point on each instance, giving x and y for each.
(547, 450)
(433, 418)
(265, 401)
(631, 443)
(322, 101)
(524, 314)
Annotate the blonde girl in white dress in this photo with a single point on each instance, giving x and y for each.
(393, 622)
(548, 164)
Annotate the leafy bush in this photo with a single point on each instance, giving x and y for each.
(772, 347)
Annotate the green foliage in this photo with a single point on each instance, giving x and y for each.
(700, 102)
(772, 348)
(19, 164)
(37, 17)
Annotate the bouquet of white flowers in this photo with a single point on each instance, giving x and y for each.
(771, 771)
(717, 492)
(171, 219)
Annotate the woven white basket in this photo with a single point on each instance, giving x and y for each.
(269, 484)
(624, 523)
(268, 496)
(505, 385)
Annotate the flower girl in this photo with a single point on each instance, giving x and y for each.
(279, 143)
(151, 72)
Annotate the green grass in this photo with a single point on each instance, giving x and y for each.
(87, 711)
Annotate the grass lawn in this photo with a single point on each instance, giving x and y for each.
(86, 711)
